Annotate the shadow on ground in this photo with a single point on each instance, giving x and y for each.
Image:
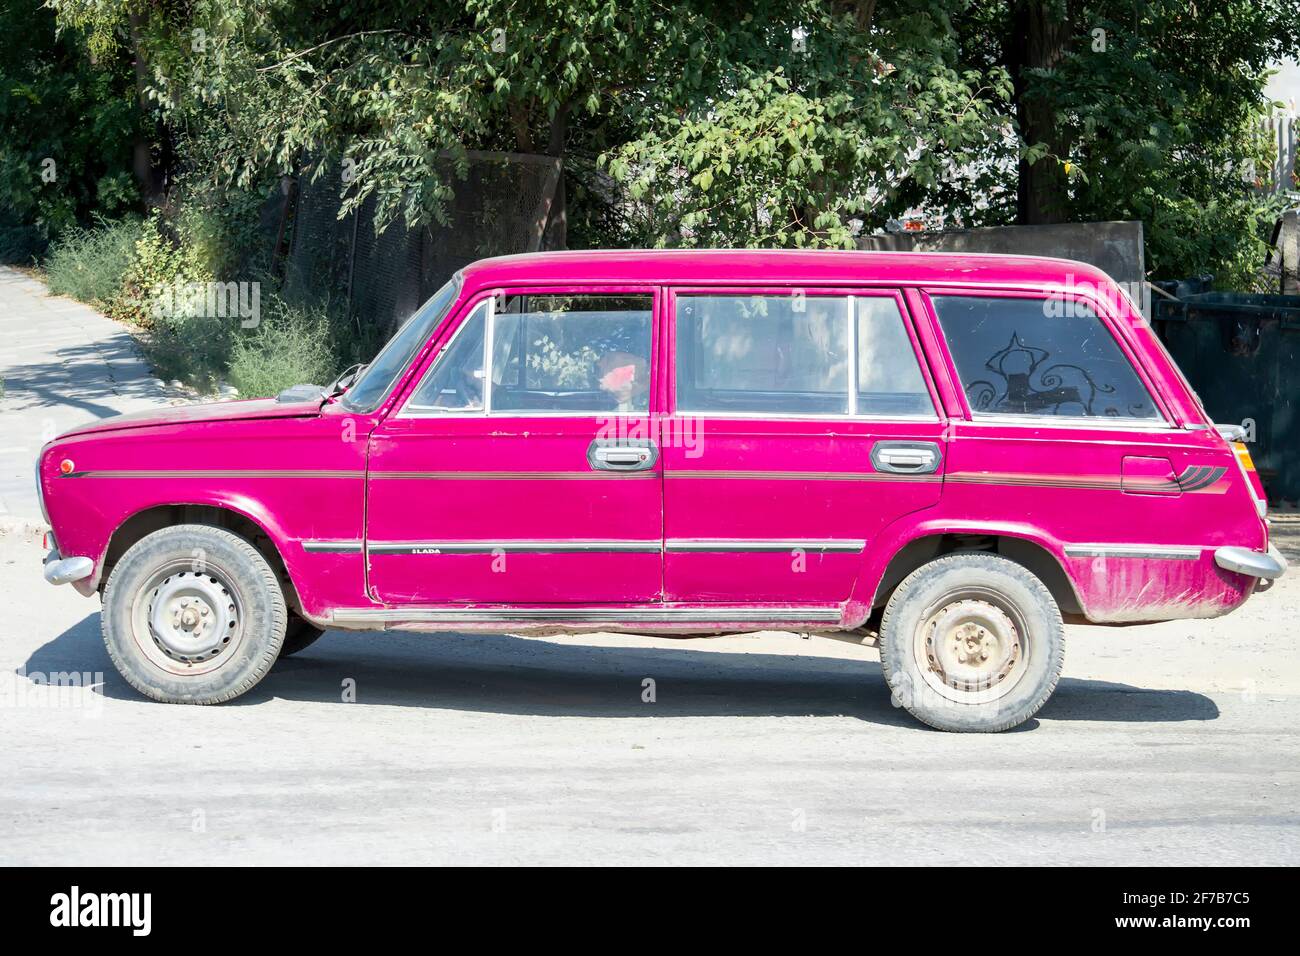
(498, 673)
(89, 376)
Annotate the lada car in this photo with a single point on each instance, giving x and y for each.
(951, 453)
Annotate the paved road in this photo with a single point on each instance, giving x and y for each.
(1173, 744)
(62, 364)
(1169, 744)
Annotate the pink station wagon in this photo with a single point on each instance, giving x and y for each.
(954, 452)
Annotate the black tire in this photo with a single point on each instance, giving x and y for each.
(193, 614)
(972, 643)
(299, 635)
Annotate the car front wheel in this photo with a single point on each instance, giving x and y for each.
(193, 614)
(972, 642)
(299, 635)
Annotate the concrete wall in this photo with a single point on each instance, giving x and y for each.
(1114, 247)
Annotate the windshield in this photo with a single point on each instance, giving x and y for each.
(378, 377)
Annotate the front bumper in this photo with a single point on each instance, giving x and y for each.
(66, 570)
(1244, 561)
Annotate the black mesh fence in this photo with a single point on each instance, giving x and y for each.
(501, 206)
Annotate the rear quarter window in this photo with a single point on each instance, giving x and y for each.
(1040, 357)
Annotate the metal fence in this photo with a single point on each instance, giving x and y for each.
(500, 206)
(1280, 127)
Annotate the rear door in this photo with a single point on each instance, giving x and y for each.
(519, 470)
(803, 422)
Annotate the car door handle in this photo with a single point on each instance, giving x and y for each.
(622, 454)
(906, 457)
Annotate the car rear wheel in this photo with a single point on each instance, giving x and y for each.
(972, 642)
(299, 635)
(193, 614)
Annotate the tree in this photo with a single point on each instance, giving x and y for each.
(1149, 109)
(64, 123)
(791, 123)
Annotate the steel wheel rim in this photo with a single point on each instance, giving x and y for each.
(188, 621)
(972, 646)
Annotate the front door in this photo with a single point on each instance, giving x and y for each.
(509, 475)
(807, 423)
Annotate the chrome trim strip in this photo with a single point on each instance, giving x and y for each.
(590, 546)
(638, 615)
(1098, 482)
(40, 491)
(509, 475)
(1099, 423)
(803, 475)
(757, 545)
(1155, 551)
(513, 547)
(332, 547)
(218, 473)
(860, 418)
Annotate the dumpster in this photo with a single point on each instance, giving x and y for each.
(1241, 352)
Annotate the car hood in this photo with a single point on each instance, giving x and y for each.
(207, 412)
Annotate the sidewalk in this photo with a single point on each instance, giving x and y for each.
(63, 364)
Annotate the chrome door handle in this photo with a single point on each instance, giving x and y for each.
(906, 457)
(625, 454)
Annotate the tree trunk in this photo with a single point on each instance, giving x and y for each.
(147, 173)
(557, 226)
(1039, 35)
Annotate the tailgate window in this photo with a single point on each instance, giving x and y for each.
(1041, 357)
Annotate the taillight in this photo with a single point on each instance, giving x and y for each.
(1247, 466)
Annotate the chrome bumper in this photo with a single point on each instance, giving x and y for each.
(1244, 561)
(66, 570)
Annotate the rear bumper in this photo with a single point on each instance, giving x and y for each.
(1244, 561)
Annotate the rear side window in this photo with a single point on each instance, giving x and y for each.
(1048, 357)
(796, 355)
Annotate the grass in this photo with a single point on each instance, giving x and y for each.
(294, 342)
(290, 346)
(88, 264)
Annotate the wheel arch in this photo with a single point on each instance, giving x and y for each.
(1037, 553)
(254, 528)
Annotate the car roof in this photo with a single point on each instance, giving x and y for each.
(777, 266)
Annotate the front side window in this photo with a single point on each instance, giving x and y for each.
(1040, 357)
(582, 354)
(378, 377)
(794, 355)
(572, 353)
(455, 382)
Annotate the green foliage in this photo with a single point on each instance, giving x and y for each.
(706, 122)
(90, 264)
(807, 143)
(162, 263)
(192, 349)
(66, 129)
(1159, 106)
(290, 346)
